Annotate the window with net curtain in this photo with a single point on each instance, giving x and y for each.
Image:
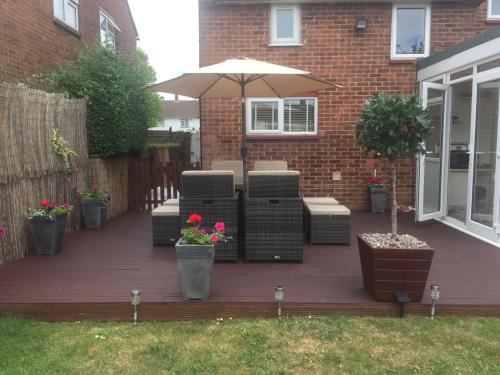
(67, 12)
(289, 115)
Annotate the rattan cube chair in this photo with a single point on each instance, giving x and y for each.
(211, 194)
(273, 217)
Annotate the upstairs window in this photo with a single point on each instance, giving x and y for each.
(108, 30)
(494, 9)
(285, 25)
(67, 12)
(281, 116)
(410, 31)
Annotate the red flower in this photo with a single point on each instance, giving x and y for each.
(194, 218)
(373, 180)
(93, 187)
(44, 203)
(2, 231)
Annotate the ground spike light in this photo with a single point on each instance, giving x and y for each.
(279, 296)
(434, 297)
(135, 300)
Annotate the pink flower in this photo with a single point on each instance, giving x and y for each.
(213, 237)
(203, 231)
(219, 226)
(2, 232)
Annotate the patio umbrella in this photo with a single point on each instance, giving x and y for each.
(242, 77)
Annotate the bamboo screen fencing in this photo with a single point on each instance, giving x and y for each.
(31, 171)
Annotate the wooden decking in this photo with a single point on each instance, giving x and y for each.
(92, 277)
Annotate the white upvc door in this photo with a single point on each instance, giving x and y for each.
(432, 166)
(483, 199)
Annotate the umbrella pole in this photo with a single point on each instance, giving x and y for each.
(243, 150)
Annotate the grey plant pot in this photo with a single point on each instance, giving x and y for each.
(93, 213)
(194, 263)
(378, 199)
(47, 236)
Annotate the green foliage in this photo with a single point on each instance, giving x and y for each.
(153, 101)
(113, 85)
(61, 148)
(93, 194)
(49, 209)
(393, 127)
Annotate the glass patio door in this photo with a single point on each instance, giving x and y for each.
(432, 165)
(484, 180)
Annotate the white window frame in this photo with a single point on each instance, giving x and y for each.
(184, 123)
(109, 22)
(492, 16)
(67, 3)
(427, 31)
(281, 116)
(273, 26)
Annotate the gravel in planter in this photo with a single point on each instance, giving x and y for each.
(386, 241)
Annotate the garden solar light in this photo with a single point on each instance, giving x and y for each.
(135, 300)
(402, 298)
(434, 297)
(279, 295)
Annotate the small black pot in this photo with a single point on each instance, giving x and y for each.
(93, 213)
(378, 198)
(48, 234)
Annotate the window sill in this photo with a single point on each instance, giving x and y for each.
(492, 21)
(290, 137)
(412, 60)
(285, 44)
(67, 27)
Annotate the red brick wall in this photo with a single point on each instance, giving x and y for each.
(31, 41)
(333, 51)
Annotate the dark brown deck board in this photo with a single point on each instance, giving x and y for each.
(96, 270)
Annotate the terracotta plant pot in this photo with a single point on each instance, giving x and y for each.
(47, 235)
(194, 263)
(388, 271)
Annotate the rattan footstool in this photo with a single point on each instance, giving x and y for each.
(166, 225)
(328, 224)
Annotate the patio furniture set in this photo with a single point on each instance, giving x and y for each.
(266, 220)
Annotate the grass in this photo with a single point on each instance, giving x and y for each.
(326, 345)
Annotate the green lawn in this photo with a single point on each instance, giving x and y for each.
(330, 345)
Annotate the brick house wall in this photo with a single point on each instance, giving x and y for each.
(31, 40)
(333, 51)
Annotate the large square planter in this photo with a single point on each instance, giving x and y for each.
(388, 271)
(378, 199)
(93, 214)
(47, 235)
(195, 263)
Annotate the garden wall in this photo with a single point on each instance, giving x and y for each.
(31, 171)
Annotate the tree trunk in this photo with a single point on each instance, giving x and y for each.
(394, 205)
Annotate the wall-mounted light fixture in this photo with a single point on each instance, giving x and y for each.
(135, 300)
(361, 24)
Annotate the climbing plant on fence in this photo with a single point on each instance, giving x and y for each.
(118, 107)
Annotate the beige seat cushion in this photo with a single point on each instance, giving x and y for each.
(274, 173)
(323, 210)
(230, 165)
(209, 173)
(270, 165)
(321, 201)
(166, 211)
(171, 202)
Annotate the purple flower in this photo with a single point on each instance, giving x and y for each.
(49, 219)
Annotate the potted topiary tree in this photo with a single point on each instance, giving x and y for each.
(394, 127)
(48, 224)
(94, 207)
(195, 252)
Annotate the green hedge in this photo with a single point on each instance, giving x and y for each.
(113, 86)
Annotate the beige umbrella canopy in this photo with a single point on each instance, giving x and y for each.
(242, 77)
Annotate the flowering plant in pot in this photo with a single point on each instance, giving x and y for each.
(48, 224)
(195, 252)
(377, 193)
(94, 205)
(393, 127)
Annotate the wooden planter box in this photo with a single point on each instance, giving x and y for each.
(388, 271)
